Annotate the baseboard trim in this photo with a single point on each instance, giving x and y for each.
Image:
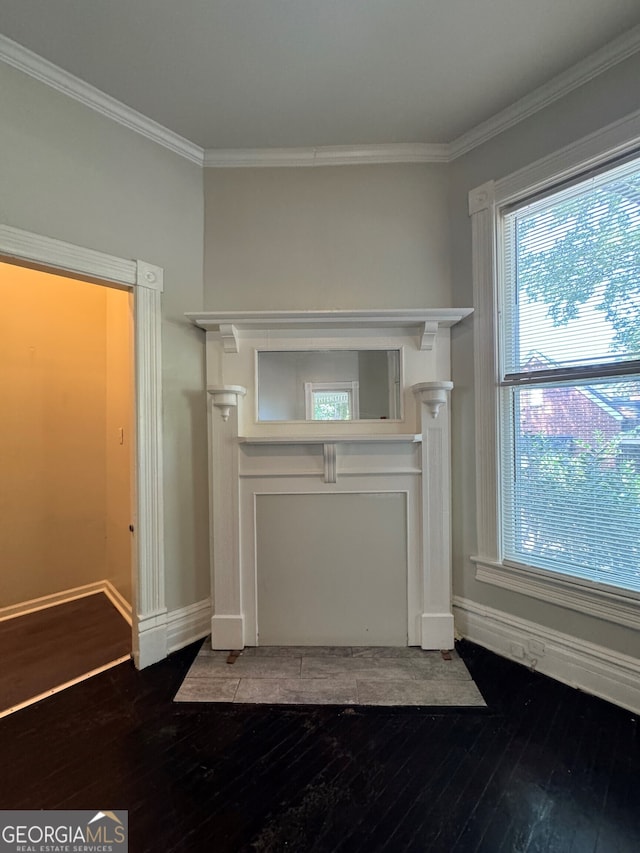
(150, 639)
(188, 624)
(159, 635)
(119, 601)
(436, 631)
(227, 632)
(64, 597)
(586, 666)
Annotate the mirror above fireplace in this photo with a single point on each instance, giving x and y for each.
(329, 385)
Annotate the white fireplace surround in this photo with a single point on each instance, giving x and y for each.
(252, 461)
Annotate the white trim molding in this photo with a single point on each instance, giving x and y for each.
(619, 607)
(145, 280)
(119, 601)
(485, 206)
(227, 619)
(229, 335)
(46, 72)
(225, 397)
(149, 276)
(22, 608)
(436, 622)
(249, 457)
(150, 589)
(481, 210)
(327, 155)
(433, 394)
(602, 60)
(188, 624)
(614, 140)
(595, 669)
(403, 438)
(55, 254)
(426, 322)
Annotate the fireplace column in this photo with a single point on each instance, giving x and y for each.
(436, 628)
(227, 620)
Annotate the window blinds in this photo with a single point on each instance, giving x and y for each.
(570, 355)
(571, 285)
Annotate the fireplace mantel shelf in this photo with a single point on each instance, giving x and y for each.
(331, 439)
(426, 320)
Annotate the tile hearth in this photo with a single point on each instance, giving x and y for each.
(330, 675)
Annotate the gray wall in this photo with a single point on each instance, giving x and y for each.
(67, 172)
(331, 237)
(596, 104)
(327, 237)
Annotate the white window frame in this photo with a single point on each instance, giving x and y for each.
(352, 387)
(486, 205)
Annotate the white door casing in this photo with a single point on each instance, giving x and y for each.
(145, 281)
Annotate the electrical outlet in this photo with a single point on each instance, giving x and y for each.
(517, 650)
(536, 648)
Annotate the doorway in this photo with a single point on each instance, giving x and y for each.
(66, 442)
(66, 435)
(145, 282)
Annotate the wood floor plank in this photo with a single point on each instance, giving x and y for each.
(259, 779)
(41, 651)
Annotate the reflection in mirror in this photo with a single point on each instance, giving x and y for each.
(329, 385)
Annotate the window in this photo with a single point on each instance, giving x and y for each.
(556, 277)
(331, 401)
(570, 389)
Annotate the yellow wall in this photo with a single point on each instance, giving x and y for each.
(63, 475)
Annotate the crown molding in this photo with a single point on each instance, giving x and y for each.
(35, 66)
(597, 63)
(41, 69)
(329, 155)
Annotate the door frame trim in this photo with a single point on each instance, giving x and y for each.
(145, 281)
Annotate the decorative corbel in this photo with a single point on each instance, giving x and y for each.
(433, 394)
(229, 335)
(225, 397)
(428, 335)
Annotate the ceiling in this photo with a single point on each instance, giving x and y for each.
(288, 73)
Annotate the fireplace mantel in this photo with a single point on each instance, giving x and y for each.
(398, 466)
(425, 322)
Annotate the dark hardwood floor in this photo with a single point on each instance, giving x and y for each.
(42, 650)
(544, 768)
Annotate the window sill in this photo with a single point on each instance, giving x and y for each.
(618, 606)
